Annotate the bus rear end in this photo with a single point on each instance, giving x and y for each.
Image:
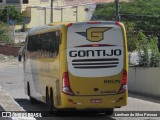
(97, 64)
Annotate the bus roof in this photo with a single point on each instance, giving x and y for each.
(42, 29)
(51, 26)
(60, 23)
(81, 23)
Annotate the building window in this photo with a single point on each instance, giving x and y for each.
(25, 1)
(12, 1)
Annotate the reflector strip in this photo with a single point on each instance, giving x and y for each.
(95, 60)
(95, 45)
(95, 63)
(89, 67)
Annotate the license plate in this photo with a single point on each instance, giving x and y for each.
(96, 100)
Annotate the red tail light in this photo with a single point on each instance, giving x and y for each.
(124, 77)
(123, 87)
(66, 85)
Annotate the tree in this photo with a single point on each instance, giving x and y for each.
(4, 33)
(143, 48)
(142, 20)
(144, 14)
(132, 46)
(10, 13)
(148, 53)
(155, 55)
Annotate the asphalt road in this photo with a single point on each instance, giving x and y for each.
(11, 79)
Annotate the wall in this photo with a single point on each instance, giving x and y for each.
(38, 12)
(41, 15)
(20, 36)
(144, 81)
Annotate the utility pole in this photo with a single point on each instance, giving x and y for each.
(51, 11)
(117, 10)
(76, 13)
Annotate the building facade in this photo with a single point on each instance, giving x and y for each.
(38, 12)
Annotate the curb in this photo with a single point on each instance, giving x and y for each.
(10, 105)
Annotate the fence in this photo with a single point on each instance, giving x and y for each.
(9, 50)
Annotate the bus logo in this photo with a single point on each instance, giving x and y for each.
(95, 34)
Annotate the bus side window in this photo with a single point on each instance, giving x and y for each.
(39, 42)
(28, 42)
(51, 43)
(44, 42)
(32, 44)
(58, 40)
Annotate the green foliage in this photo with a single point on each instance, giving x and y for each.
(4, 33)
(142, 20)
(9, 12)
(132, 46)
(148, 53)
(155, 55)
(131, 37)
(143, 14)
(104, 12)
(143, 47)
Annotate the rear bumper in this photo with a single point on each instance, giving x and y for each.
(85, 102)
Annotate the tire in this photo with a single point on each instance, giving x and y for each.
(32, 100)
(109, 112)
(47, 95)
(49, 100)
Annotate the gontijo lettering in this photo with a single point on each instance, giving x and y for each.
(92, 53)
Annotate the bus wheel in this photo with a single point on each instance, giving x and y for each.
(32, 100)
(47, 96)
(49, 100)
(109, 112)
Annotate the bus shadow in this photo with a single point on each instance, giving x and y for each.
(144, 97)
(28, 106)
(62, 115)
(1, 108)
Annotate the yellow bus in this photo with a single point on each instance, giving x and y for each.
(77, 66)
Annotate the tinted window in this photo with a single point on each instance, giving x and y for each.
(34, 44)
(44, 43)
